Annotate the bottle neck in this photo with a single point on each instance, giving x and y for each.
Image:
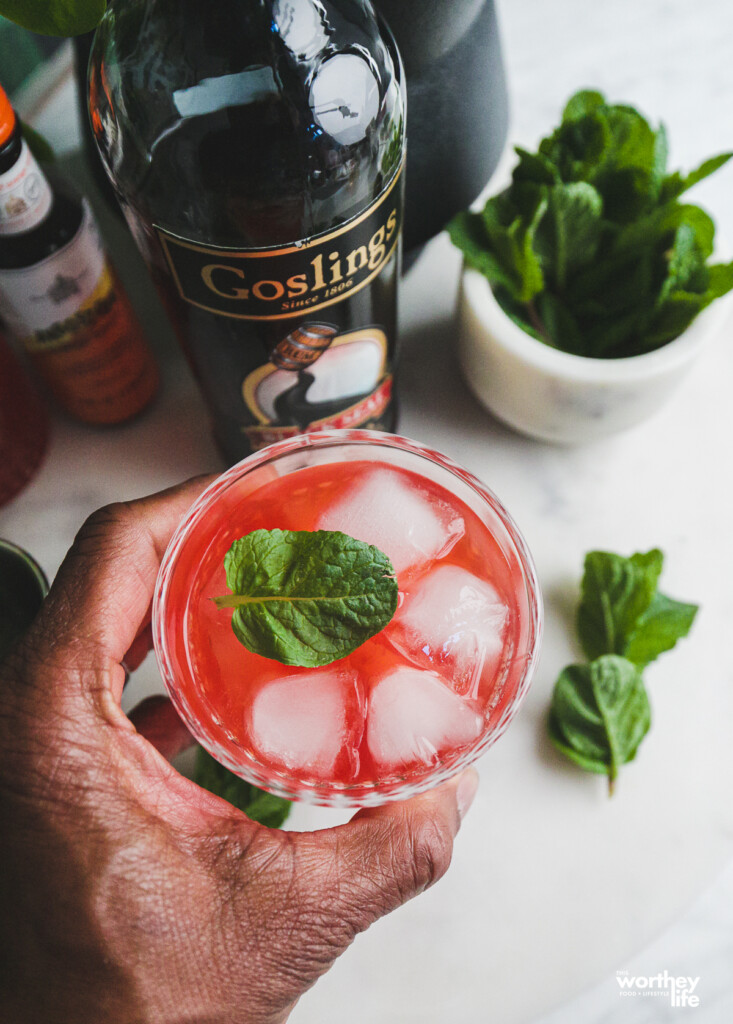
(26, 197)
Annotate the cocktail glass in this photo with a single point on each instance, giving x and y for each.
(412, 706)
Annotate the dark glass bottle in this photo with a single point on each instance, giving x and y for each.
(257, 148)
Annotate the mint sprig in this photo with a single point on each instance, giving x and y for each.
(590, 249)
(307, 598)
(262, 807)
(600, 712)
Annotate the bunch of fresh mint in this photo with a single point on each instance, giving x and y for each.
(600, 712)
(590, 249)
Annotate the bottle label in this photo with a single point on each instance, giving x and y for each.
(41, 304)
(25, 195)
(293, 280)
(318, 379)
(80, 330)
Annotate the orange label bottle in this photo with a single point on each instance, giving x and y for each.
(60, 295)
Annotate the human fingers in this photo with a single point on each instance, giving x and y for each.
(387, 855)
(102, 592)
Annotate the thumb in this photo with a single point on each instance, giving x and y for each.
(386, 855)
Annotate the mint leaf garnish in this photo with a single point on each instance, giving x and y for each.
(262, 807)
(600, 714)
(306, 598)
(589, 249)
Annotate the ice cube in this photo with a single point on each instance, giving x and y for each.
(401, 519)
(414, 717)
(311, 723)
(455, 623)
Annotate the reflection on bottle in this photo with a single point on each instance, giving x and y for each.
(302, 27)
(344, 97)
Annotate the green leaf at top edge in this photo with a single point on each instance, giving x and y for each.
(307, 598)
(600, 714)
(55, 17)
(259, 806)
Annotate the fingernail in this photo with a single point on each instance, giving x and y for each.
(467, 786)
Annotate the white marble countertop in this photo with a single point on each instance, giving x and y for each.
(553, 887)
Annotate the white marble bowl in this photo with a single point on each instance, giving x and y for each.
(563, 398)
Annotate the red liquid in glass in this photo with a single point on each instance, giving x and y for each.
(222, 683)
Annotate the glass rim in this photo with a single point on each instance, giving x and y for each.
(345, 794)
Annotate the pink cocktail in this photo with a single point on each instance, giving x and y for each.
(414, 704)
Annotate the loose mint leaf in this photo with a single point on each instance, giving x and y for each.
(676, 183)
(600, 714)
(55, 17)
(660, 627)
(307, 598)
(615, 593)
(262, 807)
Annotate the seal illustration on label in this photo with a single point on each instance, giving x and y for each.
(312, 374)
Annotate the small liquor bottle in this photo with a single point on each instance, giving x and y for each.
(257, 149)
(60, 296)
